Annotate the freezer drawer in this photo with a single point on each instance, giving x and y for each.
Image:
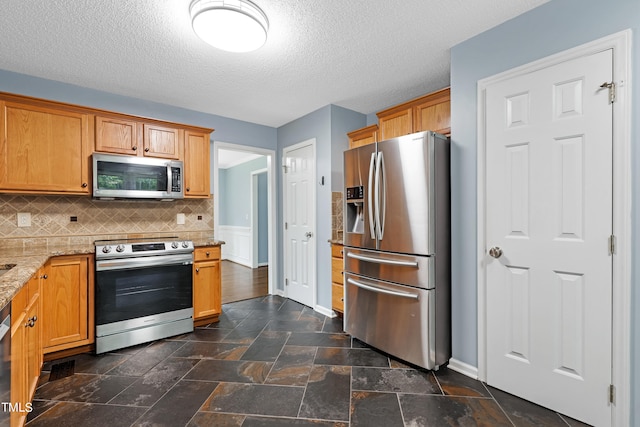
(399, 320)
(412, 270)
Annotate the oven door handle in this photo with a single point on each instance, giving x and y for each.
(141, 262)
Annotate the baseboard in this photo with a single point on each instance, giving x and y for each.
(463, 368)
(263, 264)
(324, 310)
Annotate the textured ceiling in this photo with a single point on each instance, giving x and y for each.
(364, 55)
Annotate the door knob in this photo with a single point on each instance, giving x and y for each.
(495, 252)
(308, 234)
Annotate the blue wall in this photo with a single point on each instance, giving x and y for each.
(329, 126)
(548, 29)
(263, 218)
(235, 192)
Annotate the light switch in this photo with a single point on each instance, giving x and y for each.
(180, 219)
(24, 219)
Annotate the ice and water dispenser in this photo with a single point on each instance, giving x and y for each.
(355, 209)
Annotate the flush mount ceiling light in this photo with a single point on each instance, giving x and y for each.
(231, 25)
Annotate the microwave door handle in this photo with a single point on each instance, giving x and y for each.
(370, 196)
(169, 178)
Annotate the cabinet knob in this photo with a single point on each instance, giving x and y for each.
(207, 253)
(146, 150)
(197, 270)
(84, 185)
(188, 188)
(31, 322)
(44, 276)
(134, 148)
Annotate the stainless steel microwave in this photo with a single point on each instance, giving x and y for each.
(129, 177)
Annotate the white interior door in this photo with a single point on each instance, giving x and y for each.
(300, 224)
(549, 213)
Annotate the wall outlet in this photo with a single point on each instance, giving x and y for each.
(24, 219)
(180, 219)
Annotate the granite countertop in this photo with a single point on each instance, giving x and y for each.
(27, 261)
(336, 242)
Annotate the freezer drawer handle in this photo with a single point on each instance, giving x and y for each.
(383, 261)
(382, 290)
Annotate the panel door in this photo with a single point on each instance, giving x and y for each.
(196, 164)
(299, 201)
(65, 303)
(162, 142)
(118, 135)
(549, 210)
(207, 300)
(44, 149)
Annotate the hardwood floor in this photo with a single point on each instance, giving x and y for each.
(240, 282)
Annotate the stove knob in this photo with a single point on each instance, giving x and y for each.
(185, 244)
(174, 245)
(106, 249)
(120, 248)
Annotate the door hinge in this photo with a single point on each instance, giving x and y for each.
(612, 90)
(286, 225)
(612, 244)
(286, 282)
(284, 168)
(612, 393)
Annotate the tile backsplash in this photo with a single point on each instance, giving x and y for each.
(336, 215)
(63, 219)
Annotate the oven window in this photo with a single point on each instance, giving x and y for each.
(129, 294)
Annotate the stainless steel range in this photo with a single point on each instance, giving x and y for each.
(143, 291)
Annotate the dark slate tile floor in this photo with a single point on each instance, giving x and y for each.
(270, 362)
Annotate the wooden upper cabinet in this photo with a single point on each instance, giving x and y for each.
(363, 136)
(118, 135)
(126, 135)
(162, 141)
(44, 148)
(433, 112)
(196, 161)
(396, 121)
(429, 112)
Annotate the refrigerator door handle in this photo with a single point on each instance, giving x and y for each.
(383, 260)
(383, 290)
(369, 196)
(382, 207)
(376, 200)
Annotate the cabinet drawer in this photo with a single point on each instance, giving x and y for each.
(336, 251)
(337, 297)
(206, 253)
(336, 270)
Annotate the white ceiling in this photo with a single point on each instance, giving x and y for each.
(364, 55)
(229, 158)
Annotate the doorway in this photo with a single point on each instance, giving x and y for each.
(243, 177)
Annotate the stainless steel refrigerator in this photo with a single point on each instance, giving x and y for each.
(397, 247)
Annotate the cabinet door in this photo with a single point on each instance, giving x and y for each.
(435, 117)
(163, 142)
(19, 362)
(67, 309)
(33, 327)
(118, 136)
(364, 136)
(395, 123)
(207, 300)
(44, 149)
(196, 165)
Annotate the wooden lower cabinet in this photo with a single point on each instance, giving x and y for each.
(67, 308)
(337, 278)
(207, 294)
(26, 348)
